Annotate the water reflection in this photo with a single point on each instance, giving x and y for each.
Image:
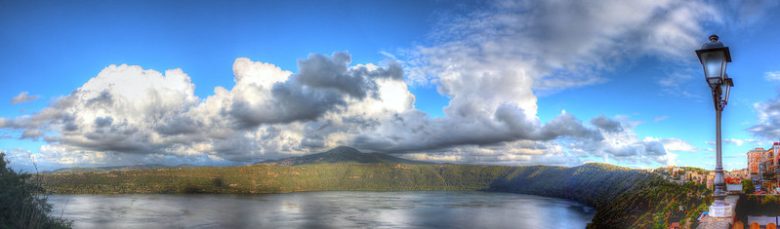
(323, 210)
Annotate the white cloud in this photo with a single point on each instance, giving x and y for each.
(677, 145)
(135, 112)
(127, 114)
(772, 76)
(23, 97)
(768, 113)
(491, 64)
(560, 44)
(514, 50)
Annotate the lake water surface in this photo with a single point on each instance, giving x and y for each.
(322, 210)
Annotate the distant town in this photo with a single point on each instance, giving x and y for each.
(762, 173)
(760, 179)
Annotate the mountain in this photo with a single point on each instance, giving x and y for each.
(341, 154)
(110, 168)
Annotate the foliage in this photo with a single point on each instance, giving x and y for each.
(23, 201)
(747, 186)
(272, 178)
(623, 198)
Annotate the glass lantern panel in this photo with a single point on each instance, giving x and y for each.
(713, 62)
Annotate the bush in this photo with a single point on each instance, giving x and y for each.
(23, 201)
(747, 186)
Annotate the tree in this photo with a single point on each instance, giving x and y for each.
(747, 186)
(23, 201)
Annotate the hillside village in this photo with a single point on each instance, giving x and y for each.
(757, 187)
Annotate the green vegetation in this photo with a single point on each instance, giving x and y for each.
(623, 198)
(747, 186)
(757, 205)
(24, 201)
(271, 178)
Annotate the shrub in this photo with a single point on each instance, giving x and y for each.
(747, 186)
(23, 201)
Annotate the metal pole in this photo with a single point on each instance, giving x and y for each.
(720, 192)
(720, 208)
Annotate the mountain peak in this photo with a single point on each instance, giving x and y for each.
(343, 149)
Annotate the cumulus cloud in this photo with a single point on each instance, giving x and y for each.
(491, 63)
(507, 53)
(677, 145)
(31, 134)
(414, 131)
(323, 84)
(607, 124)
(132, 115)
(23, 97)
(620, 142)
(127, 113)
(572, 143)
(130, 110)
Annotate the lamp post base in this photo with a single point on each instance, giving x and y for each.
(720, 210)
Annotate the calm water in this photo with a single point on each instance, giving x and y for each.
(323, 210)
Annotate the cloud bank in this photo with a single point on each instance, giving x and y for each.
(491, 63)
(130, 114)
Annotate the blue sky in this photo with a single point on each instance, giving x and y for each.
(50, 49)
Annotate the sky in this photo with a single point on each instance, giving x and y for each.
(515, 82)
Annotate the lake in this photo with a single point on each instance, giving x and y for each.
(437, 209)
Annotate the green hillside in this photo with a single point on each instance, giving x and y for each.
(622, 197)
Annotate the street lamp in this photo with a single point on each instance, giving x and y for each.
(714, 57)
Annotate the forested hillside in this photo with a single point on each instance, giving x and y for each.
(623, 198)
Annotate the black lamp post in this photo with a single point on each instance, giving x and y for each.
(714, 57)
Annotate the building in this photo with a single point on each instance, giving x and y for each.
(682, 175)
(764, 166)
(695, 177)
(754, 158)
(738, 173)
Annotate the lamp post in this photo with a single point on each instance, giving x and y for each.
(714, 57)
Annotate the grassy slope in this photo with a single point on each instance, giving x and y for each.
(623, 198)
